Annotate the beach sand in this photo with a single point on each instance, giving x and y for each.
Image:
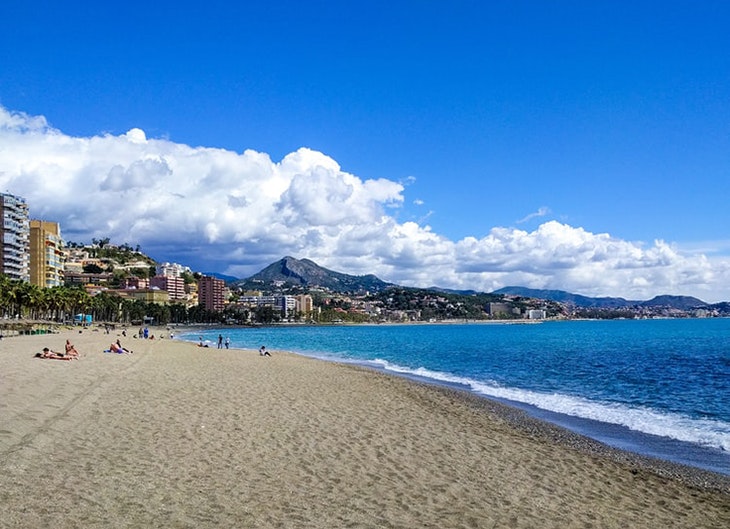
(180, 436)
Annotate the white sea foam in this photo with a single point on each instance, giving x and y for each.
(704, 432)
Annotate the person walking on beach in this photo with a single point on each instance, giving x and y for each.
(220, 341)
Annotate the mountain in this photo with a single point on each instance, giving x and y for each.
(677, 302)
(564, 297)
(303, 272)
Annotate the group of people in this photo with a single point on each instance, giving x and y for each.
(70, 353)
(227, 342)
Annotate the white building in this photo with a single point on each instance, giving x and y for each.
(171, 269)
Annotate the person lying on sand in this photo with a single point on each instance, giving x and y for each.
(52, 355)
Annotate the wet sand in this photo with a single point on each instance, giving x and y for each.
(180, 436)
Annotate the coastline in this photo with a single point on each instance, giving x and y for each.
(182, 436)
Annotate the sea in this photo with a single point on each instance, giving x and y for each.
(659, 388)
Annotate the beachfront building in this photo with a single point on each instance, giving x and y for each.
(283, 305)
(14, 237)
(147, 295)
(502, 310)
(211, 293)
(304, 304)
(173, 285)
(46, 254)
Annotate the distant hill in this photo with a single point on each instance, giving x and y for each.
(304, 272)
(677, 302)
(227, 279)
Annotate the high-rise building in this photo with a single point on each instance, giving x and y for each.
(15, 235)
(304, 303)
(46, 254)
(175, 286)
(210, 293)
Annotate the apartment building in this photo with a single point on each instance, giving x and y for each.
(46, 254)
(304, 304)
(211, 293)
(14, 237)
(131, 283)
(174, 286)
(171, 269)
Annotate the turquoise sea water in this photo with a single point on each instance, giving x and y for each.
(657, 387)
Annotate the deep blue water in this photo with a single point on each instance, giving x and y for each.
(657, 387)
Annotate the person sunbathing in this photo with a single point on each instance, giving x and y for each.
(117, 348)
(71, 350)
(52, 355)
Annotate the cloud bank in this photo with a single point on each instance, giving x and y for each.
(218, 210)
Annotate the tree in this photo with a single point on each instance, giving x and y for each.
(28, 299)
(92, 268)
(106, 307)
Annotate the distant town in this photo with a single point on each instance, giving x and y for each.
(46, 279)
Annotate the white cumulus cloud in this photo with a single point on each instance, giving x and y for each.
(218, 210)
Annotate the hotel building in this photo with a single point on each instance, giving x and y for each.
(14, 237)
(46, 254)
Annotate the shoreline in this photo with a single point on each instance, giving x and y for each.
(179, 436)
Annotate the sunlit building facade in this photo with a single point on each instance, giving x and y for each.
(46, 254)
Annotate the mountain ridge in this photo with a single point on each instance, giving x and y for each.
(561, 296)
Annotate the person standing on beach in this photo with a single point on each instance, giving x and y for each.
(228, 341)
(220, 341)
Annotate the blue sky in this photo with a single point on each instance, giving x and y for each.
(592, 120)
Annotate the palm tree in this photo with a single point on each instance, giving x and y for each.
(28, 298)
(79, 300)
(5, 295)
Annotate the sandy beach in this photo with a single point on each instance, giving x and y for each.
(175, 435)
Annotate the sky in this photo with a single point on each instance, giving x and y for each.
(571, 145)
